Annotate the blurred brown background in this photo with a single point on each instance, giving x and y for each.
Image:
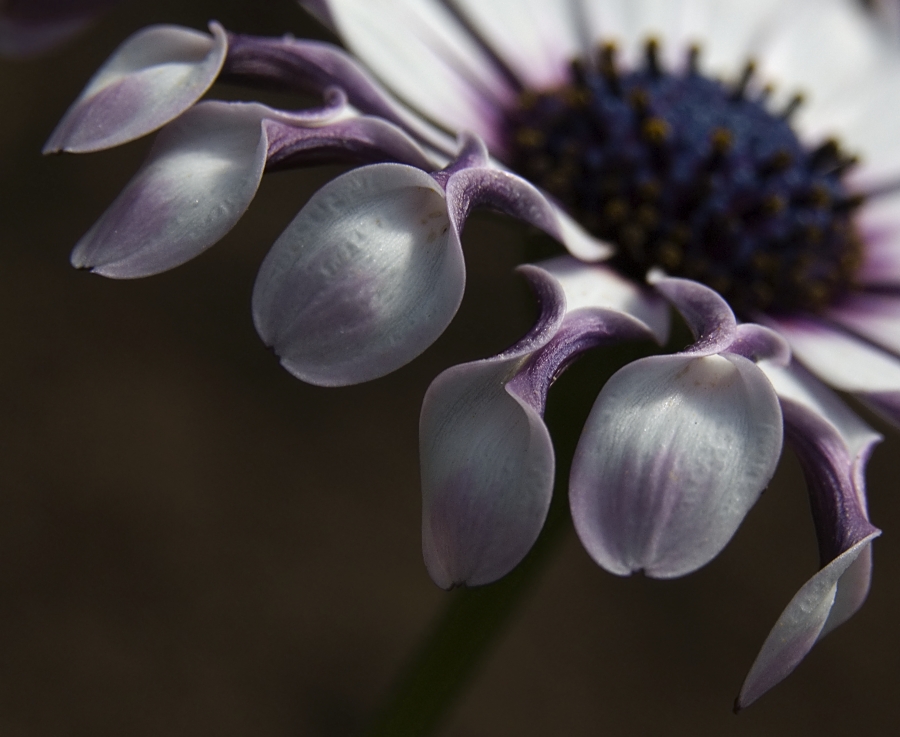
(194, 543)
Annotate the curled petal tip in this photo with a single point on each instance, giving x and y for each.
(151, 79)
(365, 278)
(199, 178)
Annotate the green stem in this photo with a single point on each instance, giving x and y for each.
(463, 634)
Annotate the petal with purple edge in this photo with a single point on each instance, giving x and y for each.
(199, 178)
(674, 453)
(833, 445)
(437, 67)
(364, 279)
(151, 79)
(799, 627)
(536, 38)
(487, 475)
(841, 360)
(708, 316)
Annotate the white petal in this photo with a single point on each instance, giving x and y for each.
(153, 77)
(873, 316)
(419, 50)
(536, 38)
(801, 625)
(879, 222)
(199, 178)
(364, 279)
(595, 285)
(487, 475)
(796, 385)
(838, 359)
(674, 453)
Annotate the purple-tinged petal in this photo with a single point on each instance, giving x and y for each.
(151, 79)
(760, 343)
(473, 180)
(301, 65)
(438, 68)
(674, 453)
(873, 316)
(361, 140)
(833, 445)
(199, 178)
(879, 223)
(839, 359)
(596, 285)
(708, 316)
(536, 38)
(364, 279)
(800, 626)
(487, 460)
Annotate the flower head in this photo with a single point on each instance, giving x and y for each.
(734, 160)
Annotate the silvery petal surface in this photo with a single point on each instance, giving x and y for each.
(487, 459)
(674, 453)
(151, 79)
(199, 178)
(833, 445)
(364, 279)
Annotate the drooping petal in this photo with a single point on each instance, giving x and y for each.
(199, 178)
(833, 446)
(674, 453)
(487, 460)
(151, 79)
(800, 626)
(364, 279)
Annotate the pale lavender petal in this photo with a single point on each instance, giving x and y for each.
(537, 38)
(302, 65)
(487, 460)
(879, 223)
(833, 446)
(437, 67)
(845, 362)
(364, 279)
(674, 453)
(596, 285)
(760, 343)
(472, 180)
(151, 79)
(360, 140)
(799, 627)
(200, 177)
(873, 316)
(708, 316)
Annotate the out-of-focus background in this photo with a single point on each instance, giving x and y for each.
(194, 543)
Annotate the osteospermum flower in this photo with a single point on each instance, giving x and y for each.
(736, 160)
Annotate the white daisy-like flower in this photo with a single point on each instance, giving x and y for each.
(734, 159)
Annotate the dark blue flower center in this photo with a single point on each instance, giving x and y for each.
(696, 176)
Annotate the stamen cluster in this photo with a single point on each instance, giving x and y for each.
(685, 172)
